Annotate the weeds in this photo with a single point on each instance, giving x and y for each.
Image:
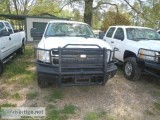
(16, 96)
(157, 105)
(15, 71)
(57, 94)
(102, 115)
(32, 95)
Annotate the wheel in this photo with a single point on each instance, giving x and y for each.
(1, 67)
(42, 83)
(21, 50)
(131, 70)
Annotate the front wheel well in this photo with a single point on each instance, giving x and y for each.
(128, 54)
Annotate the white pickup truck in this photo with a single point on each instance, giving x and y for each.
(139, 49)
(10, 42)
(70, 54)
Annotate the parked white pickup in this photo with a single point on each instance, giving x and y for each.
(70, 54)
(139, 49)
(10, 42)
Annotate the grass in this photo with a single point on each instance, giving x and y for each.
(101, 115)
(149, 112)
(69, 109)
(7, 105)
(157, 106)
(60, 114)
(16, 96)
(15, 71)
(32, 95)
(85, 88)
(4, 94)
(57, 94)
(155, 93)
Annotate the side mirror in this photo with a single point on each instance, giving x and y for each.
(101, 35)
(5, 33)
(34, 33)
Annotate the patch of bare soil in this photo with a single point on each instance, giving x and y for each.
(120, 98)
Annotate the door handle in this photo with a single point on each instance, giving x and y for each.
(9, 38)
(112, 42)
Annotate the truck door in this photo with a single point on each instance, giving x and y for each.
(108, 37)
(118, 43)
(12, 37)
(4, 42)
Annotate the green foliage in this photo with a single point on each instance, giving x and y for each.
(60, 114)
(44, 7)
(69, 109)
(101, 115)
(148, 112)
(113, 18)
(157, 105)
(32, 95)
(57, 94)
(7, 105)
(4, 94)
(17, 70)
(76, 15)
(16, 96)
(152, 15)
(4, 7)
(97, 20)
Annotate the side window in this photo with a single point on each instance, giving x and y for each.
(110, 32)
(119, 34)
(9, 27)
(2, 28)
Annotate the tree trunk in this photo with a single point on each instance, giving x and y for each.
(88, 12)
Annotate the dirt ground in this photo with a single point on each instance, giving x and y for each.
(120, 98)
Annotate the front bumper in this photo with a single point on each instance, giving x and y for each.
(150, 66)
(76, 76)
(78, 66)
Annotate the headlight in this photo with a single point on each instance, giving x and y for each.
(147, 55)
(43, 56)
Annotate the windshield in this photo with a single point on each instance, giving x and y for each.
(142, 34)
(69, 29)
(2, 27)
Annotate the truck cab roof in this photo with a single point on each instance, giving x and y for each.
(131, 27)
(66, 21)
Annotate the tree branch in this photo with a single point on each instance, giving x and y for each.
(103, 3)
(71, 1)
(138, 12)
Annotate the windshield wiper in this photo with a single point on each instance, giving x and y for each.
(57, 35)
(156, 39)
(61, 35)
(139, 39)
(85, 36)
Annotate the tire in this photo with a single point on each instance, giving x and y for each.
(42, 83)
(131, 70)
(21, 50)
(1, 68)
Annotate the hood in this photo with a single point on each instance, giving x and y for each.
(55, 42)
(151, 44)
